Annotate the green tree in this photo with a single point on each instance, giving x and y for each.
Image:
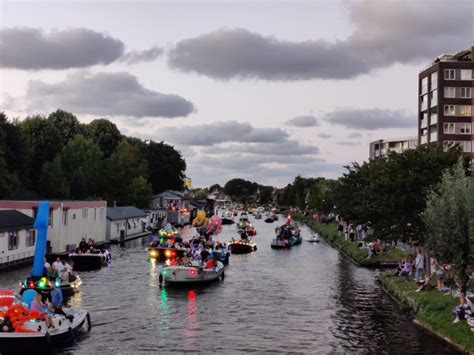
(449, 220)
(105, 134)
(43, 142)
(240, 189)
(321, 196)
(78, 189)
(141, 193)
(83, 154)
(166, 167)
(66, 123)
(53, 182)
(266, 195)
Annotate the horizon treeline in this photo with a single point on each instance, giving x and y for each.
(58, 157)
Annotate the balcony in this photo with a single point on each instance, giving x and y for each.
(424, 140)
(433, 119)
(424, 123)
(433, 137)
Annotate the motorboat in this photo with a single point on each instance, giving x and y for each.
(43, 285)
(313, 239)
(33, 335)
(91, 260)
(257, 215)
(243, 246)
(268, 218)
(191, 275)
(166, 245)
(287, 236)
(275, 217)
(227, 218)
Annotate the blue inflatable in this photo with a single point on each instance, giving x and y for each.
(28, 296)
(41, 225)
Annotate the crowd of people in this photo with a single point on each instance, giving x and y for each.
(60, 269)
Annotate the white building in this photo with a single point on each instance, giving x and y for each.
(17, 237)
(133, 221)
(69, 221)
(383, 147)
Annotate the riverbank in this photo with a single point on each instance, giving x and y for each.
(433, 311)
(350, 249)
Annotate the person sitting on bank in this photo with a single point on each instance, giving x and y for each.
(463, 310)
(407, 269)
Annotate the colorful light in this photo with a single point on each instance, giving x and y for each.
(191, 295)
(167, 253)
(57, 283)
(153, 254)
(32, 284)
(164, 272)
(192, 272)
(41, 284)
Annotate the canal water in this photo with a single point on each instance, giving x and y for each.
(309, 299)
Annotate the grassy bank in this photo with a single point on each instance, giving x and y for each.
(433, 310)
(330, 234)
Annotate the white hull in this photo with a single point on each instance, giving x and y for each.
(191, 274)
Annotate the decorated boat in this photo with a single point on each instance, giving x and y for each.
(166, 244)
(181, 275)
(22, 329)
(227, 218)
(243, 246)
(44, 285)
(257, 215)
(287, 236)
(89, 257)
(244, 227)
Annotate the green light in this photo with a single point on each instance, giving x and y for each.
(41, 284)
(164, 272)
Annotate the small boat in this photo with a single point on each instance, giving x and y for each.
(268, 218)
(191, 275)
(90, 261)
(243, 246)
(313, 239)
(36, 334)
(258, 215)
(166, 245)
(275, 217)
(227, 218)
(43, 285)
(287, 236)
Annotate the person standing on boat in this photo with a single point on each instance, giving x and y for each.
(57, 299)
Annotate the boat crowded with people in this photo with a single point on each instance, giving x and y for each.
(287, 235)
(192, 273)
(243, 246)
(166, 244)
(89, 256)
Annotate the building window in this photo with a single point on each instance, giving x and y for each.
(50, 218)
(424, 102)
(449, 128)
(84, 213)
(434, 80)
(465, 128)
(465, 93)
(30, 238)
(449, 92)
(424, 85)
(464, 110)
(12, 240)
(449, 74)
(65, 215)
(466, 74)
(449, 110)
(433, 98)
(466, 146)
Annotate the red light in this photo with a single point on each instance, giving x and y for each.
(32, 284)
(174, 253)
(191, 295)
(192, 272)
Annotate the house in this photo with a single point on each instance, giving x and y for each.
(17, 238)
(129, 220)
(170, 200)
(69, 221)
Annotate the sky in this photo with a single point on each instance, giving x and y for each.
(261, 90)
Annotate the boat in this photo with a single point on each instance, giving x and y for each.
(92, 260)
(243, 246)
(268, 218)
(313, 239)
(227, 218)
(275, 217)
(191, 275)
(43, 285)
(287, 236)
(166, 245)
(33, 335)
(258, 215)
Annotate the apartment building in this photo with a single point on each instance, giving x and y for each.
(383, 147)
(445, 89)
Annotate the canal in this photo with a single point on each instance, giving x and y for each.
(308, 299)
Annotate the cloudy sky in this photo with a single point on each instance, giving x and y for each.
(262, 90)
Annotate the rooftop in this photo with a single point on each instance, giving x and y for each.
(114, 213)
(11, 220)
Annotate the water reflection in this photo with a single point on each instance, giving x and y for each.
(192, 318)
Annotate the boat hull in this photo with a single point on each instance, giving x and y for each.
(190, 275)
(227, 221)
(85, 262)
(242, 247)
(162, 254)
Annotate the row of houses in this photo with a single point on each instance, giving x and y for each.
(70, 221)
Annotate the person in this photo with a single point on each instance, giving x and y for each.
(419, 266)
(424, 285)
(47, 265)
(57, 300)
(64, 270)
(57, 264)
(463, 310)
(437, 272)
(37, 304)
(407, 268)
(83, 245)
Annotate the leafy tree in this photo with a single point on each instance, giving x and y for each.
(166, 167)
(141, 193)
(391, 192)
(43, 142)
(53, 182)
(66, 123)
(200, 194)
(449, 220)
(84, 154)
(215, 187)
(266, 195)
(321, 196)
(105, 134)
(240, 189)
(78, 185)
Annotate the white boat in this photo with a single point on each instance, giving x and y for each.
(42, 337)
(313, 239)
(191, 275)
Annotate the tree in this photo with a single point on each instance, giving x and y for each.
(78, 185)
(449, 220)
(66, 123)
(166, 167)
(215, 187)
(53, 182)
(240, 189)
(105, 134)
(141, 193)
(266, 195)
(391, 192)
(321, 195)
(43, 142)
(83, 154)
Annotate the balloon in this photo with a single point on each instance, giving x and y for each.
(200, 219)
(41, 225)
(6, 298)
(215, 225)
(28, 296)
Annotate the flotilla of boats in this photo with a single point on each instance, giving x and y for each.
(200, 260)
